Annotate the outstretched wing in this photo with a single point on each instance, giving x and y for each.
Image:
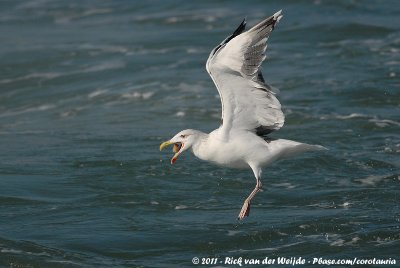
(248, 103)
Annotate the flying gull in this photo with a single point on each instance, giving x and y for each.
(250, 110)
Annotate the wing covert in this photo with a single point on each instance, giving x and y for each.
(248, 103)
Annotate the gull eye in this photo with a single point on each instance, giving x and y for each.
(183, 136)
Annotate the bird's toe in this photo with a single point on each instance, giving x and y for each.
(245, 211)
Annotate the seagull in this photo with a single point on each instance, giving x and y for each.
(250, 110)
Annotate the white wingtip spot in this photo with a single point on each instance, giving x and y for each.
(278, 15)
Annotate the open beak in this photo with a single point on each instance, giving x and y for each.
(176, 149)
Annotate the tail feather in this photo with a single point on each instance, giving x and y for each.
(302, 148)
(312, 147)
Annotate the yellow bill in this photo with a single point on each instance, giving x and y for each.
(176, 149)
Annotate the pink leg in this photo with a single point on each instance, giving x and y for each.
(245, 211)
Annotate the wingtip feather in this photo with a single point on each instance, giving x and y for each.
(278, 16)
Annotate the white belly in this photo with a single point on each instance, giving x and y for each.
(233, 153)
(247, 149)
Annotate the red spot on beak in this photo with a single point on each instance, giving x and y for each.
(173, 160)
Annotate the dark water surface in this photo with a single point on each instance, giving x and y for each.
(89, 89)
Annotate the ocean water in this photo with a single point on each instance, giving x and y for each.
(89, 89)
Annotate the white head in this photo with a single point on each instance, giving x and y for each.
(181, 141)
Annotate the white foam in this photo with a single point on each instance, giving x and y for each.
(147, 95)
(172, 20)
(210, 18)
(180, 114)
(105, 48)
(179, 207)
(384, 122)
(192, 50)
(49, 75)
(97, 93)
(16, 251)
(353, 115)
(108, 65)
(138, 95)
(345, 205)
(392, 62)
(40, 108)
(372, 180)
(267, 249)
(12, 251)
(66, 18)
(144, 86)
(234, 232)
(64, 262)
(97, 11)
(373, 119)
(338, 243)
(341, 242)
(32, 4)
(72, 112)
(385, 241)
(286, 185)
(323, 205)
(191, 87)
(43, 107)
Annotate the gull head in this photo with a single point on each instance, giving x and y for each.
(181, 141)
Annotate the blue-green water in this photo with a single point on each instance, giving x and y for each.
(89, 89)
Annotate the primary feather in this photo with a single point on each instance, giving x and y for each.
(248, 103)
